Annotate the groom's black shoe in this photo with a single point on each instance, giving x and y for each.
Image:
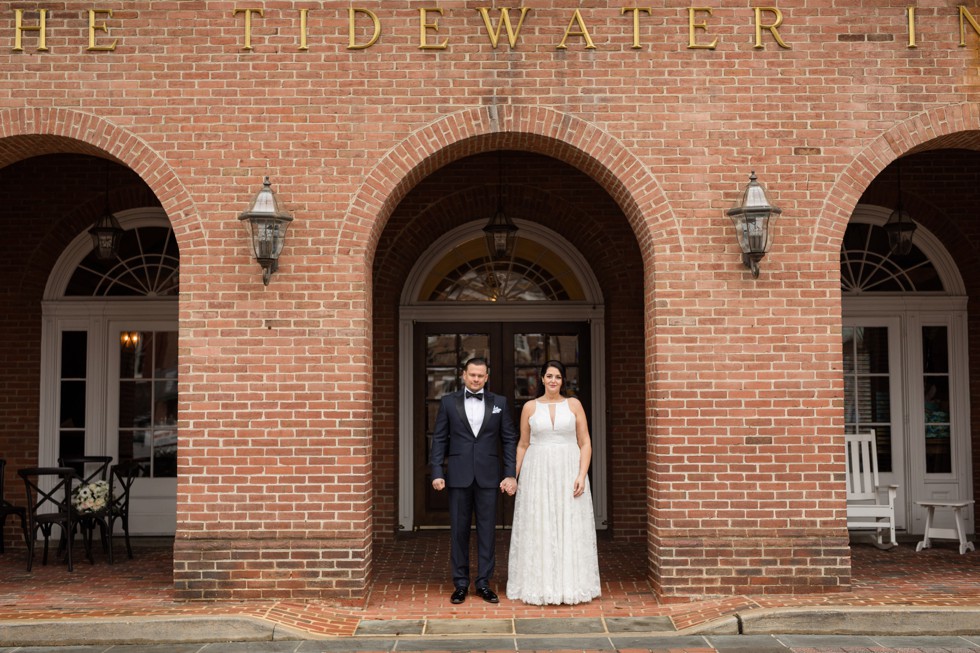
(487, 595)
(459, 595)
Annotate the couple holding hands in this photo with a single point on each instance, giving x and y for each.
(553, 556)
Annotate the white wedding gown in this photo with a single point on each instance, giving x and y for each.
(553, 556)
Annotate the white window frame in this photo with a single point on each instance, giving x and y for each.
(412, 310)
(97, 316)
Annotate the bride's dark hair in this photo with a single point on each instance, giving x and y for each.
(561, 370)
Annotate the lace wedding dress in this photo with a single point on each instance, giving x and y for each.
(553, 556)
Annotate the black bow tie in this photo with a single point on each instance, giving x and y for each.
(475, 395)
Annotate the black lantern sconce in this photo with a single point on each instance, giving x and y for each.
(900, 226)
(500, 232)
(267, 222)
(753, 218)
(106, 232)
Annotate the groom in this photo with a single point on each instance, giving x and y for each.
(470, 427)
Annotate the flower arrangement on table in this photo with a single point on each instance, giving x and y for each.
(90, 497)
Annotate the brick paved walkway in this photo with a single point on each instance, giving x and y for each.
(412, 585)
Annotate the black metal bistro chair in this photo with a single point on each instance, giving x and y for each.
(91, 470)
(7, 508)
(122, 476)
(48, 504)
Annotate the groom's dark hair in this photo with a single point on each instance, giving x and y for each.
(477, 360)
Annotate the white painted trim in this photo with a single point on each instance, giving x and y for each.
(91, 315)
(406, 416)
(600, 484)
(510, 312)
(875, 304)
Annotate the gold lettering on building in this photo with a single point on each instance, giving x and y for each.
(582, 31)
(93, 27)
(494, 32)
(302, 29)
(768, 19)
(911, 12)
(20, 28)
(248, 24)
(773, 27)
(424, 28)
(693, 25)
(636, 22)
(352, 43)
(973, 23)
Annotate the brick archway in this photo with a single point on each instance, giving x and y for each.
(81, 143)
(854, 179)
(623, 177)
(533, 129)
(25, 133)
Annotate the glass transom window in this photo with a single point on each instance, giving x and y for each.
(533, 274)
(147, 266)
(868, 265)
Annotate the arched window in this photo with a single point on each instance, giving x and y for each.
(868, 265)
(533, 274)
(147, 266)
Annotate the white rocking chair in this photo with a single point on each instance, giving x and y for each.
(866, 508)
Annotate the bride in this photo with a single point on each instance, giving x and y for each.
(553, 557)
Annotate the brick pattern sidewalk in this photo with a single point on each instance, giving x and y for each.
(412, 583)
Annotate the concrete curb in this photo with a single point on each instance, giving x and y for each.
(721, 626)
(825, 620)
(849, 620)
(135, 630)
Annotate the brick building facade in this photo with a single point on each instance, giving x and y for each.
(617, 136)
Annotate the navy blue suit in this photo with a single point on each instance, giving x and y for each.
(474, 470)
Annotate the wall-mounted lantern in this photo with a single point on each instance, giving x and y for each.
(267, 222)
(753, 218)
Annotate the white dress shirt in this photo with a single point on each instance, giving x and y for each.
(474, 412)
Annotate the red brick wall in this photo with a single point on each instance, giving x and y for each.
(278, 431)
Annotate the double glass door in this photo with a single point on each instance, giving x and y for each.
(516, 352)
(904, 379)
(115, 393)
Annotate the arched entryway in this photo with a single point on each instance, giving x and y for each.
(59, 303)
(573, 288)
(909, 326)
